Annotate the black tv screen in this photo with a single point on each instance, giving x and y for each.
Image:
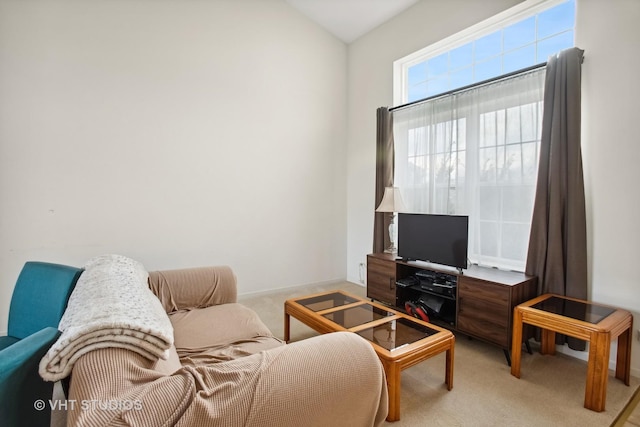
(440, 239)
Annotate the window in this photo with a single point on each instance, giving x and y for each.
(521, 37)
(475, 151)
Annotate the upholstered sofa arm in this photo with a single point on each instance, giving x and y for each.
(328, 380)
(193, 287)
(20, 385)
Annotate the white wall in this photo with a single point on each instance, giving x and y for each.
(180, 133)
(609, 34)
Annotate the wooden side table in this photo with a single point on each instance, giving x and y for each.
(598, 324)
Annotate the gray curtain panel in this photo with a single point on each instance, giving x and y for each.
(558, 242)
(384, 176)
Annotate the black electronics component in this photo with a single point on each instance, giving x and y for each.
(408, 281)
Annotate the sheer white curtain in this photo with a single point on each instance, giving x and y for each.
(475, 153)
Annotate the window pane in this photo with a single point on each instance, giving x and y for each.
(517, 202)
(438, 85)
(462, 134)
(488, 129)
(529, 121)
(530, 162)
(454, 205)
(417, 73)
(489, 239)
(512, 171)
(417, 143)
(460, 169)
(437, 65)
(460, 78)
(487, 165)
(461, 56)
(453, 162)
(553, 45)
(441, 137)
(442, 168)
(489, 203)
(500, 163)
(417, 92)
(418, 169)
(489, 45)
(556, 19)
(441, 198)
(519, 34)
(488, 69)
(515, 239)
(501, 127)
(519, 59)
(513, 125)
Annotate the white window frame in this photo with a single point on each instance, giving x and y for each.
(510, 16)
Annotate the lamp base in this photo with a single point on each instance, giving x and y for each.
(392, 236)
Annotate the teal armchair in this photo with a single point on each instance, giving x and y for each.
(39, 299)
(38, 302)
(22, 391)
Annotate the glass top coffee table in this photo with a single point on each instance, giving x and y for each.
(599, 324)
(399, 340)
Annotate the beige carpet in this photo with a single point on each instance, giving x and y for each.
(549, 393)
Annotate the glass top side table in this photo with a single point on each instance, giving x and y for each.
(596, 323)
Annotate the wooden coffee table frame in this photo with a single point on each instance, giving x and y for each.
(616, 325)
(393, 361)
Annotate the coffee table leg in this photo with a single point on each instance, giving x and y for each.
(287, 326)
(393, 385)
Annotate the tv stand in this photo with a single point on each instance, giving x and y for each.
(480, 304)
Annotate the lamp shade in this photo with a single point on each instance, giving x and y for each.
(391, 201)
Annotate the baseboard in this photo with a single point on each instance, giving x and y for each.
(356, 282)
(292, 288)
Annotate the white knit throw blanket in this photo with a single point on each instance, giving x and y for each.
(111, 306)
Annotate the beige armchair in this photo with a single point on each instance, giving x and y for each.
(227, 369)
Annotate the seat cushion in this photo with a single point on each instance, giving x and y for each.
(219, 333)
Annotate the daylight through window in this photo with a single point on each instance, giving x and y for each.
(475, 151)
(510, 45)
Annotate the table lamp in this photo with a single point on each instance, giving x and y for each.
(391, 203)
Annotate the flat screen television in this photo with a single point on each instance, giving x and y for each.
(439, 239)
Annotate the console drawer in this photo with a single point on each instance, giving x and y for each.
(381, 280)
(483, 310)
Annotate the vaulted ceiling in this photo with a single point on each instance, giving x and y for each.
(350, 19)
